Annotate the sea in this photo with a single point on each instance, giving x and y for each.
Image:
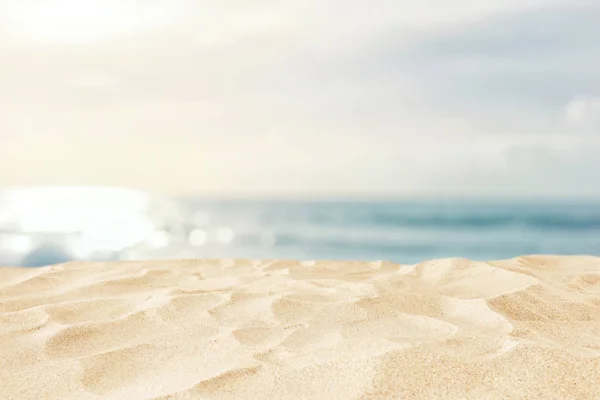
(398, 231)
(405, 232)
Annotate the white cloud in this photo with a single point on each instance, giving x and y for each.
(68, 22)
(583, 109)
(288, 97)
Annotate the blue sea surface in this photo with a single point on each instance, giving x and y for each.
(404, 232)
(51, 225)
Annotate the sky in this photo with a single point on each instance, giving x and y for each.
(317, 98)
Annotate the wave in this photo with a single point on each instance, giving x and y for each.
(437, 216)
(561, 222)
(543, 221)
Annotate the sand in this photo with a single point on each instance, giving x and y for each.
(525, 328)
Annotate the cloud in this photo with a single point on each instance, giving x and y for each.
(583, 109)
(287, 97)
(70, 22)
(516, 69)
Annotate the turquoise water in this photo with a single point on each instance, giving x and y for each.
(51, 225)
(405, 232)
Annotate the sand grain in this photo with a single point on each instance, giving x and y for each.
(526, 328)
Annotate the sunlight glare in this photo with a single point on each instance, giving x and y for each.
(20, 244)
(84, 21)
(198, 237)
(106, 219)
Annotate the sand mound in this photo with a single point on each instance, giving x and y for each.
(190, 329)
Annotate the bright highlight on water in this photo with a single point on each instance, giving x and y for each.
(40, 226)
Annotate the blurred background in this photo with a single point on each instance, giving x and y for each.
(397, 129)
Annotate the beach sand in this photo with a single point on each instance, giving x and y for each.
(526, 328)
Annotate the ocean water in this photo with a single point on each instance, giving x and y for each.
(51, 225)
(405, 232)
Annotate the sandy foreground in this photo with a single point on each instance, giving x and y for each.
(525, 328)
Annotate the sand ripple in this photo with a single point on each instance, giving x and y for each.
(221, 329)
